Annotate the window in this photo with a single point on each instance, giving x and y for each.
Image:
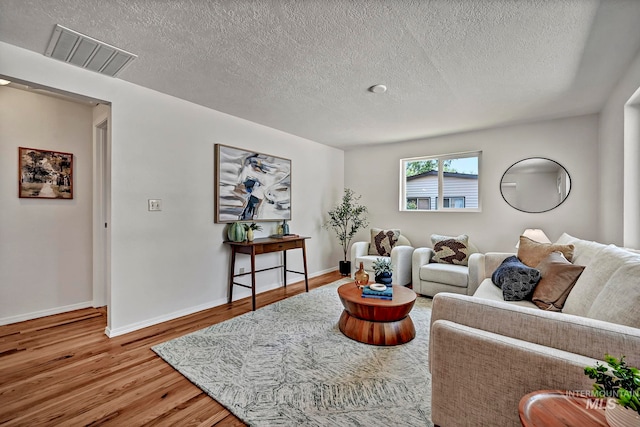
(446, 182)
(419, 203)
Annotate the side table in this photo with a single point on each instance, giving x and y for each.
(559, 408)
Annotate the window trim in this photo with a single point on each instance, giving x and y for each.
(439, 197)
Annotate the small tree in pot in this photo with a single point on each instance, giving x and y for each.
(346, 219)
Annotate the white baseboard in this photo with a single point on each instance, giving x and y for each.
(43, 313)
(238, 294)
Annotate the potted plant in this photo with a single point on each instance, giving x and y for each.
(346, 219)
(620, 384)
(249, 228)
(383, 271)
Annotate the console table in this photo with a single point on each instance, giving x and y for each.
(265, 245)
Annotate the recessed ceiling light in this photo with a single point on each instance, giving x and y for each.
(378, 89)
(4, 82)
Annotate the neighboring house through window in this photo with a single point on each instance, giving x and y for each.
(445, 182)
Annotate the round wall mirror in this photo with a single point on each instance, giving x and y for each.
(535, 185)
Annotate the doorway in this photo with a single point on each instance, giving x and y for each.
(102, 207)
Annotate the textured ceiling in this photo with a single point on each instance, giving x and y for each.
(304, 66)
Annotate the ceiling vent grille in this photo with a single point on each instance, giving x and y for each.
(77, 49)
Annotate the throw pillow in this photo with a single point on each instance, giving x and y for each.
(516, 280)
(382, 241)
(451, 250)
(558, 278)
(531, 252)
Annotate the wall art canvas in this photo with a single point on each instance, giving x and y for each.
(44, 174)
(251, 186)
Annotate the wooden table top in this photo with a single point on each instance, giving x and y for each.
(560, 408)
(401, 296)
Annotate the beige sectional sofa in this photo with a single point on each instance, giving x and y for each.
(486, 353)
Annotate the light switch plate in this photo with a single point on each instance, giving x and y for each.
(155, 204)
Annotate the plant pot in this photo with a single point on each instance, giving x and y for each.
(384, 278)
(619, 416)
(345, 268)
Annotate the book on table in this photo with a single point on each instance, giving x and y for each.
(387, 294)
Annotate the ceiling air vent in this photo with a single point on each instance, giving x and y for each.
(77, 49)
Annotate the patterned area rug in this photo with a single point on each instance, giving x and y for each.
(288, 364)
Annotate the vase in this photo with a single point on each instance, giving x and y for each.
(361, 277)
(236, 232)
(285, 227)
(619, 416)
(384, 278)
(250, 235)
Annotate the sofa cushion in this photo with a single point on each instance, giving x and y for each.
(516, 280)
(487, 290)
(584, 250)
(531, 252)
(451, 250)
(382, 241)
(619, 300)
(449, 274)
(558, 276)
(594, 277)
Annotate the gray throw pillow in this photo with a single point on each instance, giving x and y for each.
(516, 280)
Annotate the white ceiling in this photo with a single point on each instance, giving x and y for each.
(304, 66)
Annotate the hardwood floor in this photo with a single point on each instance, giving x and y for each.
(63, 370)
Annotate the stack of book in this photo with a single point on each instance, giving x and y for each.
(387, 294)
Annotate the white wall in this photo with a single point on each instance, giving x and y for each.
(612, 158)
(374, 172)
(170, 263)
(45, 255)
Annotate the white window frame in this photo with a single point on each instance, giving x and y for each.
(440, 196)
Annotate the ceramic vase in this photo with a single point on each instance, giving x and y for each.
(250, 235)
(384, 278)
(619, 416)
(361, 277)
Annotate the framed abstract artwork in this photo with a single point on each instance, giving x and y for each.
(44, 174)
(251, 186)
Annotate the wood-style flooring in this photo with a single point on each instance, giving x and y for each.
(63, 370)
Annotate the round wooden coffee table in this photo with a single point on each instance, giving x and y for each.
(377, 321)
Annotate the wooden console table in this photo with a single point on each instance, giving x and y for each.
(265, 245)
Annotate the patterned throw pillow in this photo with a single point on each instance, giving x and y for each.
(516, 280)
(382, 241)
(451, 250)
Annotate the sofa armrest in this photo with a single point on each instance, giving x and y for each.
(490, 373)
(358, 249)
(420, 257)
(401, 264)
(482, 266)
(580, 335)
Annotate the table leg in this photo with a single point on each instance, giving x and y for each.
(304, 261)
(253, 277)
(232, 268)
(284, 268)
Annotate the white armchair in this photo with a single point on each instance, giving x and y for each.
(400, 260)
(431, 278)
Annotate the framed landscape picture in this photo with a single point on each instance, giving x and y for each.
(251, 186)
(44, 174)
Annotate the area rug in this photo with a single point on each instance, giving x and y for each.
(288, 364)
